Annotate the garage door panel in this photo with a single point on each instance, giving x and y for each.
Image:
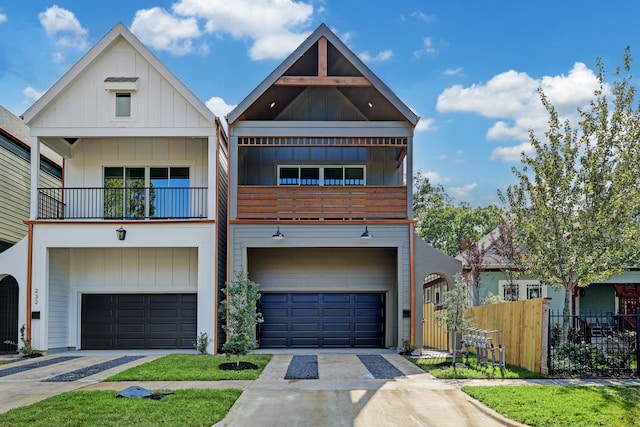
(138, 321)
(314, 320)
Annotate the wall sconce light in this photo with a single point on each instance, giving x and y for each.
(278, 235)
(121, 233)
(366, 234)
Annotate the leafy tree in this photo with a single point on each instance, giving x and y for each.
(444, 224)
(575, 206)
(507, 248)
(239, 309)
(473, 254)
(456, 303)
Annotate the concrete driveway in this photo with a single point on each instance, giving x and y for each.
(345, 394)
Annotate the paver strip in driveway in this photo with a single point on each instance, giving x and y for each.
(34, 365)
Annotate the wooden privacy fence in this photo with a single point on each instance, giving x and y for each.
(523, 327)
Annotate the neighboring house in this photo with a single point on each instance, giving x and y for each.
(320, 204)
(15, 179)
(124, 255)
(618, 295)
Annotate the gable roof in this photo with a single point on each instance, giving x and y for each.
(118, 31)
(341, 69)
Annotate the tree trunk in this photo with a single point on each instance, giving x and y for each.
(566, 311)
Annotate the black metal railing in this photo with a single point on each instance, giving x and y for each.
(596, 345)
(122, 203)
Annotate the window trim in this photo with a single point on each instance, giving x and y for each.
(121, 94)
(522, 288)
(321, 169)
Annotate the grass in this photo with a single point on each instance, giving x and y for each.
(555, 406)
(190, 407)
(189, 367)
(441, 368)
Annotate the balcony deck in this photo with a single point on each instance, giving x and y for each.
(322, 202)
(122, 203)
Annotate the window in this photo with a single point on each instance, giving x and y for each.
(139, 192)
(521, 290)
(123, 104)
(321, 175)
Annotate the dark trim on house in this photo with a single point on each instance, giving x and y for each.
(23, 151)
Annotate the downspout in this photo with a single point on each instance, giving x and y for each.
(412, 274)
(29, 278)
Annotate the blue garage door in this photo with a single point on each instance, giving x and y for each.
(322, 320)
(138, 321)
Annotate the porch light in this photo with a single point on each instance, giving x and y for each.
(278, 235)
(121, 233)
(366, 234)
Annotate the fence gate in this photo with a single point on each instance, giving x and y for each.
(595, 345)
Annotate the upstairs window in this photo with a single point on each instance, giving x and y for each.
(123, 104)
(321, 175)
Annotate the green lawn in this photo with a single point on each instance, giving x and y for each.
(189, 367)
(441, 368)
(191, 407)
(555, 406)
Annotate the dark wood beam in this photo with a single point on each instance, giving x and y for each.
(322, 81)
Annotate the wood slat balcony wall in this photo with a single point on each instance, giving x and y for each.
(322, 202)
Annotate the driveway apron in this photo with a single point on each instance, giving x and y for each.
(346, 393)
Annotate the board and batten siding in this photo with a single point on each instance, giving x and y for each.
(114, 270)
(15, 182)
(86, 104)
(85, 169)
(341, 239)
(58, 299)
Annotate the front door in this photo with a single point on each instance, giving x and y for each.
(8, 314)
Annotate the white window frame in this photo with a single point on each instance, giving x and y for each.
(115, 106)
(321, 169)
(524, 286)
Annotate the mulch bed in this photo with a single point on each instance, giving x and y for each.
(233, 366)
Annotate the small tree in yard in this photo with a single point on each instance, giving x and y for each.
(240, 311)
(456, 303)
(576, 204)
(473, 255)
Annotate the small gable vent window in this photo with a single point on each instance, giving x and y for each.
(123, 104)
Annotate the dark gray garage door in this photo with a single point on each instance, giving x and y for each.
(317, 320)
(133, 321)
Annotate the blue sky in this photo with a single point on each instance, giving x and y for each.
(470, 69)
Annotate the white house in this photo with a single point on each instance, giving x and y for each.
(124, 255)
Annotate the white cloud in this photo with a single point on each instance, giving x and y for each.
(3, 17)
(425, 125)
(64, 27)
(435, 177)
(385, 55)
(458, 161)
(427, 48)
(157, 28)
(275, 26)
(511, 154)
(219, 107)
(463, 192)
(512, 99)
(452, 71)
(32, 93)
(422, 16)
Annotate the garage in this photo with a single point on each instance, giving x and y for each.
(322, 320)
(138, 321)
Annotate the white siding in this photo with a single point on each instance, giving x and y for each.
(134, 269)
(86, 104)
(58, 299)
(85, 169)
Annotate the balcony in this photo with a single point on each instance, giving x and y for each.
(322, 202)
(122, 203)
